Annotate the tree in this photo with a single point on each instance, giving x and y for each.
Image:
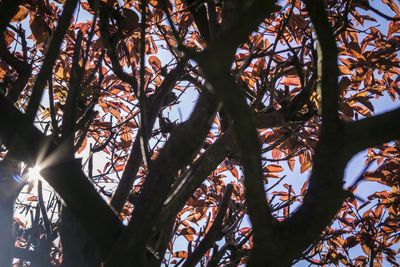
(276, 85)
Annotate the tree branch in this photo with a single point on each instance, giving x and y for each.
(111, 52)
(214, 233)
(181, 147)
(65, 176)
(23, 69)
(49, 60)
(328, 72)
(135, 157)
(12, 8)
(372, 131)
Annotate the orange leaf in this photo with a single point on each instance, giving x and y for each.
(21, 14)
(365, 248)
(83, 146)
(273, 168)
(362, 110)
(305, 166)
(126, 139)
(31, 198)
(115, 113)
(154, 62)
(306, 162)
(180, 254)
(9, 37)
(235, 173)
(291, 81)
(291, 162)
(343, 70)
(119, 168)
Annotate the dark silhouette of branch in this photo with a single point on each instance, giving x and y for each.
(328, 71)
(69, 118)
(372, 131)
(184, 142)
(135, 158)
(110, 49)
(64, 175)
(214, 233)
(9, 8)
(23, 69)
(49, 60)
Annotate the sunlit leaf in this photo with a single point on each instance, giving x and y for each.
(21, 14)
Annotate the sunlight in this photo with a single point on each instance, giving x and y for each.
(34, 174)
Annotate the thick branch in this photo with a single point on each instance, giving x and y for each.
(179, 151)
(66, 177)
(49, 60)
(9, 8)
(329, 70)
(372, 131)
(208, 162)
(23, 69)
(135, 157)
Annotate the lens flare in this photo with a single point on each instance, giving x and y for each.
(34, 174)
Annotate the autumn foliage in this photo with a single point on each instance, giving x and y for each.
(199, 132)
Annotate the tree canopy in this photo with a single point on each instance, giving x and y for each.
(175, 132)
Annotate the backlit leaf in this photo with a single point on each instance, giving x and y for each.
(21, 14)
(180, 254)
(273, 168)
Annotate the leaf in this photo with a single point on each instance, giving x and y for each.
(115, 113)
(290, 81)
(126, 139)
(362, 110)
(21, 14)
(365, 248)
(306, 162)
(40, 30)
(392, 5)
(31, 198)
(235, 173)
(131, 19)
(9, 36)
(291, 162)
(180, 254)
(273, 168)
(344, 85)
(105, 124)
(154, 62)
(131, 124)
(343, 70)
(346, 109)
(83, 146)
(119, 167)
(86, 6)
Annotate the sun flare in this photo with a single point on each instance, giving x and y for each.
(34, 174)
